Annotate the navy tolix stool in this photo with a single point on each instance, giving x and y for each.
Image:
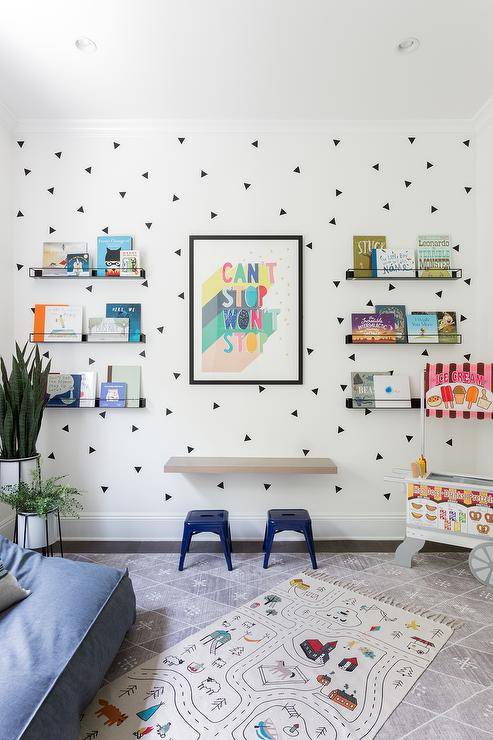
(288, 520)
(209, 520)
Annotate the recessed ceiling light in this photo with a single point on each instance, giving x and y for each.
(85, 45)
(406, 46)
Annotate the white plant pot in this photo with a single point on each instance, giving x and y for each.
(35, 530)
(16, 470)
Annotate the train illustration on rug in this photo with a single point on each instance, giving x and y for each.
(312, 659)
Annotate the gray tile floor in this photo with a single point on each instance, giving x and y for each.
(452, 700)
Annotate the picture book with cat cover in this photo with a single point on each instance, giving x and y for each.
(447, 327)
(399, 313)
(112, 395)
(129, 374)
(362, 251)
(63, 389)
(130, 311)
(109, 257)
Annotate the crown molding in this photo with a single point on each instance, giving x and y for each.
(332, 128)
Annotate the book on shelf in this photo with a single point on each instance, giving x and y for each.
(102, 329)
(399, 313)
(129, 263)
(422, 327)
(391, 262)
(363, 389)
(109, 254)
(392, 391)
(130, 311)
(373, 328)
(129, 374)
(112, 395)
(447, 327)
(362, 251)
(434, 256)
(88, 386)
(78, 264)
(57, 323)
(63, 389)
(55, 256)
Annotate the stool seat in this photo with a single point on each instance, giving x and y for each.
(291, 520)
(215, 521)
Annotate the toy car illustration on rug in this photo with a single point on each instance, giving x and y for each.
(313, 658)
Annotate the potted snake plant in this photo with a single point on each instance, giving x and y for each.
(22, 402)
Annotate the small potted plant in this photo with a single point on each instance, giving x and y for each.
(37, 503)
(22, 402)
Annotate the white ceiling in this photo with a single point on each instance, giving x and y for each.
(246, 59)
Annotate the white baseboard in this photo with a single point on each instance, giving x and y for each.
(149, 527)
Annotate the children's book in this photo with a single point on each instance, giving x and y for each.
(362, 250)
(434, 256)
(129, 263)
(392, 262)
(447, 327)
(88, 385)
(55, 256)
(112, 395)
(102, 329)
(363, 389)
(130, 311)
(129, 374)
(63, 389)
(399, 313)
(57, 323)
(392, 391)
(78, 264)
(109, 249)
(369, 328)
(422, 327)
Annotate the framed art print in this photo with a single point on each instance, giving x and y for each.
(246, 309)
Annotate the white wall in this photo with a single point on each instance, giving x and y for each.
(134, 505)
(6, 250)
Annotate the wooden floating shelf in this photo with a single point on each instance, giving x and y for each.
(80, 338)
(219, 465)
(142, 405)
(37, 272)
(353, 275)
(349, 340)
(415, 404)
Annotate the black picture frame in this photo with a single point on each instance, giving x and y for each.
(194, 240)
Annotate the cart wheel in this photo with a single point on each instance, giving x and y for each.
(481, 563)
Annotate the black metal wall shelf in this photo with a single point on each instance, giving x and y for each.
(48, 339)
(352, 274)
(38, 272)
(142, 405)
(350, 340)
(415, 404)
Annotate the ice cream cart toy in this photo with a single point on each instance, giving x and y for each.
(450, 508)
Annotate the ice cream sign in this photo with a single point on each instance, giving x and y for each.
(459, 390)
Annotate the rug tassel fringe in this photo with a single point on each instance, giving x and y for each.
(380, 596)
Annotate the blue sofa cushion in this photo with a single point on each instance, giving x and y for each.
(44, 638)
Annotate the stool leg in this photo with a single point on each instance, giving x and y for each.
(265, 538)
(225, 543)
(185, 544)
(310, 544)
(269, 539)
(229, 539)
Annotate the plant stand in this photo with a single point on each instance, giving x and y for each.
(47, 547)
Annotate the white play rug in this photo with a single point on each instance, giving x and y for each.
(312, 658)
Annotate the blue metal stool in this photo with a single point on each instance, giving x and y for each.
(210, 520)
(291, 520)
